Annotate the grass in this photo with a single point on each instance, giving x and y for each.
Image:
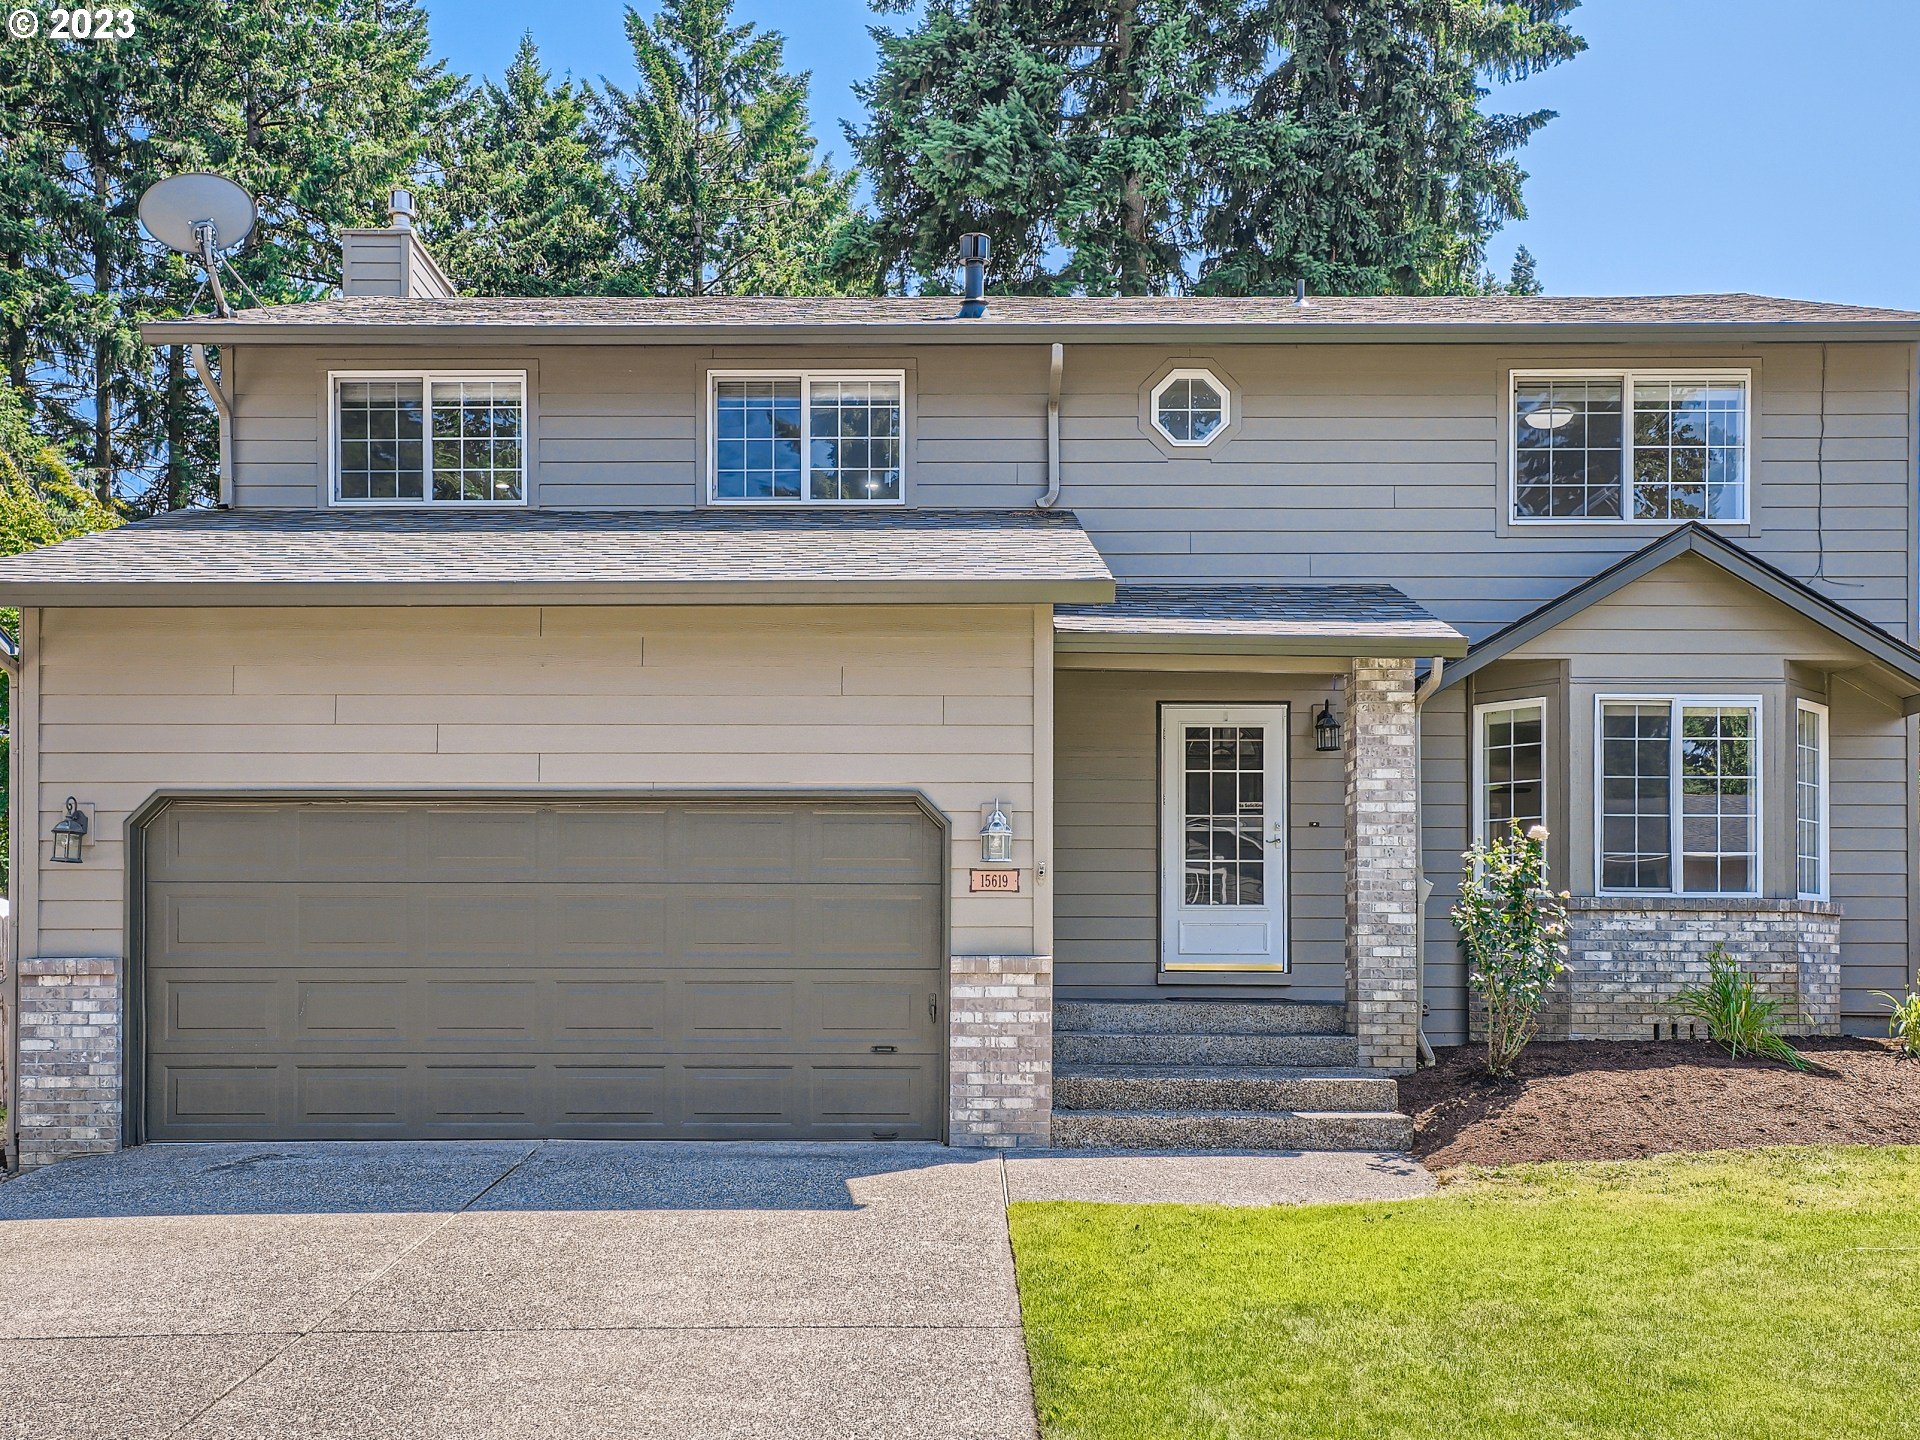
(1769, 1293)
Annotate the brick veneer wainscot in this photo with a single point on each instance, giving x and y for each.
(1628, 957)
(1383, 990)
(1001, 1050)
(69, 1084)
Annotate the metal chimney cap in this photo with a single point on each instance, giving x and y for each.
(975, 248)
(400, 210)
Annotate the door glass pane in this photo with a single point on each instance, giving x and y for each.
(1224, 786)
(1635, 790)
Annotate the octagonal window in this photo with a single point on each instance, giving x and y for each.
(1190, 407)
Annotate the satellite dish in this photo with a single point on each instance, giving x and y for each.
(186, 212)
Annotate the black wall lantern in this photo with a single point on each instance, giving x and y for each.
(1326, 729)
(68, 833)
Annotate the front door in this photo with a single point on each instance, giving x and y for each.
(1223, 837)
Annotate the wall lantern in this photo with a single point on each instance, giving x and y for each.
(68, 833)
(996, 837)
(1326, 729)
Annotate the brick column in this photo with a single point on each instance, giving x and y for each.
(1001, 1055)
(1383, 993)
(69, 1085)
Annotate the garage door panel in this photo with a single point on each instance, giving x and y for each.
(666, 969)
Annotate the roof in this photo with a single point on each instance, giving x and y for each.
(287, 557)
(1894, 655)
(1272, 619)
(934, 318)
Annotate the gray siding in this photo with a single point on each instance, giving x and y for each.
(1106, 844)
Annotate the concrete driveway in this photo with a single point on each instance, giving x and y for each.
(470, 1291)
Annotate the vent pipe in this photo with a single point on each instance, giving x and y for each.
(400, 210)
(974, 250)
(1300, 292)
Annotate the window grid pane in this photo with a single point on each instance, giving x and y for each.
(477, 437)
(1513, 770)
(1568, 448)
(1224, 771)
(1717, 833)
(1190, 409)
(757, 430)
(382, 440)
(1687, 450)
(1635, 797)
(1809, 841)
(854, 437)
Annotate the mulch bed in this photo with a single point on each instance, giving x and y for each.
(1615, 1100)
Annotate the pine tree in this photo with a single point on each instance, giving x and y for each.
(723, 193)
(1524, 277)
(524, 204)
(1360, 158)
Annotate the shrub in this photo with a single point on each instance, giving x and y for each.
(1904, 1024)
(1737, 1015)
(1513, 929)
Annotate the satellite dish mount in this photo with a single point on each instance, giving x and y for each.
(200, 215)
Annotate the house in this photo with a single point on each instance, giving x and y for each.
(839, 718)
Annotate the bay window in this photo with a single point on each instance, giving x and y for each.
(1626, 445)
(1678, 807)
(1509, 788)
(1810, 800)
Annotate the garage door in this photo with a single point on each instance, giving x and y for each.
(685, 970)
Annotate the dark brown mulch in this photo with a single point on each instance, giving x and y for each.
(1613, 1100)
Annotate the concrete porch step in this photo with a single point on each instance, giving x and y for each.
(1120, 1047)
(1231, 1130)
(1269, 1088)
(1199, 1017)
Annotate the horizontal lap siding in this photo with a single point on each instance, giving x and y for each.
(1872, 868)
(935, 700)
(1106, 848)
(1443, 835)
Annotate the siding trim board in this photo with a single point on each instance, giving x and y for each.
(1899, 659)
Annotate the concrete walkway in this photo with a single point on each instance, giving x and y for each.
(565, 1290)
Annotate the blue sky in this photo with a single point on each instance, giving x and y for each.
(1763, 145)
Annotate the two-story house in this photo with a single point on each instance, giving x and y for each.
(843, 718)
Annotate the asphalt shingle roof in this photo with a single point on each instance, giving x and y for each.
(556, 317)
(1325, 616)
(424, 554)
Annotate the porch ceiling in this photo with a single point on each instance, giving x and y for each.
(1234, 619)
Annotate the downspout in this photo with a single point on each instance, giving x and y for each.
(1423, 887)
(1054, 365)
(10, 987)
(223, 405)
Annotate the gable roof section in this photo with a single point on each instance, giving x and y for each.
(1257, 619)
(1185, 319)
(562, 557)
(1902, 659)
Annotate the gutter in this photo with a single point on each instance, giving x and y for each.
(223, 404)
(1423, 887)
(1055, 364)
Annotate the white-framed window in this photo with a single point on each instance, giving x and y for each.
(1509, 767)
(1677, 803)
(428, 437)
(806, 437)
(1191, 407)
(1810, 800)
(1615, 446)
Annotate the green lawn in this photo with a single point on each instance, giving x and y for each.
(1744, 1294)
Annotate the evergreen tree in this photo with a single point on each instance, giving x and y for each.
(1524, 277)
(316, 106)
(723, 192)
(525, 200)
(1359, 157)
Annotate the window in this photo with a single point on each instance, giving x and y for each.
(1190, 407)
(1810, 799)
(798, 439)
(1630, 445)
(1510, 779)
(1679, 803)
(429, 439)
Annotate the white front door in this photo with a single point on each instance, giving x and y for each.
(1223, 837)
